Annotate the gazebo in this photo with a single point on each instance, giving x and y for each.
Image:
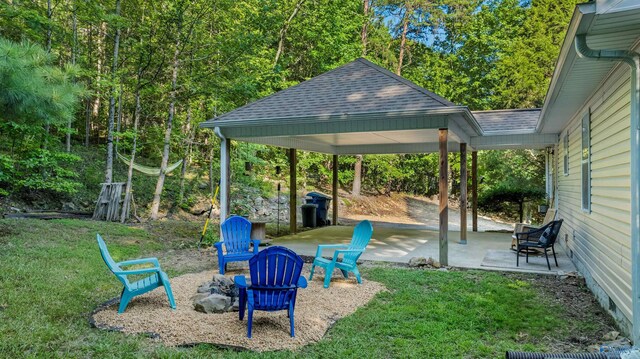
(362, 108)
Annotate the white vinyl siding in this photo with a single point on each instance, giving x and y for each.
(600, 240)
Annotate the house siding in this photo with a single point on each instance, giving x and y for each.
(599, 241)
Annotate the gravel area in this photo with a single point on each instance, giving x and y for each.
(317, 309)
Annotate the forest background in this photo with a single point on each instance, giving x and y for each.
(82, 81)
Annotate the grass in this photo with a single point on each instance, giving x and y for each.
(52, 277)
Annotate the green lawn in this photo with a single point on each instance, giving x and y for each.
(52, 277)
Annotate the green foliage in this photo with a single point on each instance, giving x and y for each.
(34, 93)
(484, 54)
(511, 179)
(36, 99)
(502, 198)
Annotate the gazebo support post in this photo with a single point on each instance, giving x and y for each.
(474, 190)
(225, 177)
(293, 161)
(444, 197)
(334, 188)
(463, 193)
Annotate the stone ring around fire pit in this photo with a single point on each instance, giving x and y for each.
(218, 295)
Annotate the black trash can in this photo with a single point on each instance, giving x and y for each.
(309, 215)
(323, 201)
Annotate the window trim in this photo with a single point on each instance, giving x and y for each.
(585, 161)
(565, 156)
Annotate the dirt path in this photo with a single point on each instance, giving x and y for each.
(410, 213)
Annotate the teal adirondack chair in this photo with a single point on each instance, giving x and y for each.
(351, 252)
(156, 279)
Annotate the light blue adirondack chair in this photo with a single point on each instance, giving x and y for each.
(236, 238)
(156, 279)
(275, 279)
(351, 252)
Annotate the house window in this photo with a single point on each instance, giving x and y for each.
(586, 162)
(566, 153)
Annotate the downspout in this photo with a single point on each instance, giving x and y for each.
(224, 174)
(632, 59)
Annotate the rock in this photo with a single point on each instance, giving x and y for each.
(14, 209)
(68, 206)
(617, 345)
(258, 201)
(199, 296)
(430, 261)
(417, 262)
(443, 270)
(221, 281)
(436, 264)
(214, 303)
(236, 305)
(205, 288)
(612, 335)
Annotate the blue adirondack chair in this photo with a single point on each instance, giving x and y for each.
(156, 279)
(351, 252)
(236, 237)
(275, 279)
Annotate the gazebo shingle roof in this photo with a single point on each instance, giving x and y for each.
(357, 87)
(521, 120)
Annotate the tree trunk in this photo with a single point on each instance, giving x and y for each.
(521, 210)
(155, 205)
(129, 191)
(365, 27)
(357, 176)
(49, 25)
(47, 125)
(112, 102)
(403, 42)
(119, 116)
(74, 49)
(187, 153)
(87, 110)
(96, 102)
(283, 31)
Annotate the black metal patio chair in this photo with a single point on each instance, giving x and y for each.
(543, 238)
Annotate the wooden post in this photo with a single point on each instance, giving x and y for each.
(334, 188)
(463, 193)
(474, 189)
(444, 197)
(293, 161)
(225, 177)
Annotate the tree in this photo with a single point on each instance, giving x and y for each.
(112, 98)
(33, 93)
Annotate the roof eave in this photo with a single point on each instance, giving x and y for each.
(361, 116)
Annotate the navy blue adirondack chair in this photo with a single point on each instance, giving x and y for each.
(156, 279)
(236, 238)
(350, 254)
(275, 279)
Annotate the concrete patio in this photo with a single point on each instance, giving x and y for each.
(484, 250)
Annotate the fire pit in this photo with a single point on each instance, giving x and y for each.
(218, 295)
